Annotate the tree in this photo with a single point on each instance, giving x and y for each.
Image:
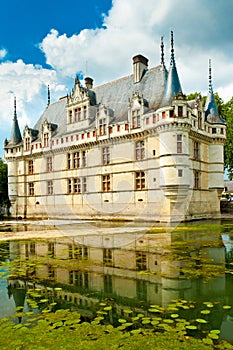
(228, 149)
(4, 200)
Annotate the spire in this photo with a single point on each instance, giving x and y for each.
(162, 52)
(48, 97)
(172, 51)
(173, 86)
(211, 110)
(210, 78)
(15, 131)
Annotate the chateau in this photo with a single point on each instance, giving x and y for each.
(131, 149)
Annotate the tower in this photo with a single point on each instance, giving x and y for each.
(10, 150)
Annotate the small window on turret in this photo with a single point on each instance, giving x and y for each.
(214, 130)
(179, 143)
(180, 111)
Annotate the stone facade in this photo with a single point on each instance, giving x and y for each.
(131, 149)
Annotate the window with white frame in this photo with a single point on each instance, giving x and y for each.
(196, 150)
(140, 150)
(49, 164)
(84, 179)
(30, 166)
(179, 141)
(84, 158)
(102, 126)
(49, 187)
(106, 183)
(31, 189)
(76, 160)
(27, 143)
(136, 122)
(105, 155)
(197, 179)
(140, 183)
(46, 139)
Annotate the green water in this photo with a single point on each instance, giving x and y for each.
(186, 269)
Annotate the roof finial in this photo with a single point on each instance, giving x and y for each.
(15, 113)
(210, 77)
(172, 50)
(162, 52)
(48, 97)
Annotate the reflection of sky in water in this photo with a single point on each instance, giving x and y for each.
(227, 241)
(7, 305)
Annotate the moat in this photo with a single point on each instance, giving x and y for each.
(130, 267)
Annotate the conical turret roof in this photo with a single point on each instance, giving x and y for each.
(211, 110)
(15, 131)
(173, 85)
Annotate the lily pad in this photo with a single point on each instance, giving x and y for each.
(205, 312)
(201, 320)
(191, 327)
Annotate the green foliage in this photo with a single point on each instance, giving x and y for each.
(62, 332)
(63, 329)
(228, 150)
(4, 201)
(193, 96)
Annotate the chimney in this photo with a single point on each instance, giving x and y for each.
(88, 83)
(140, 64)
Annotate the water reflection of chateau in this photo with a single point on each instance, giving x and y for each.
(130, 268)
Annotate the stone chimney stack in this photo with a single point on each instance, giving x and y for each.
(89, 83)
(140, 64)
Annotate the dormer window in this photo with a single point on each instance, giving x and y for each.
(102, 126)
(77, 113)
(136, 118)
(46, 139)
(27, 143)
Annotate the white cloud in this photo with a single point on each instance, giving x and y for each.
(3, 53)
(131, 28)
(29, 84)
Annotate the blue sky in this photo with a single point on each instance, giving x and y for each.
(23, 24)
(51, 41)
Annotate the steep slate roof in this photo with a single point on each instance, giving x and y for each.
(114, 95)
(55, 113)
